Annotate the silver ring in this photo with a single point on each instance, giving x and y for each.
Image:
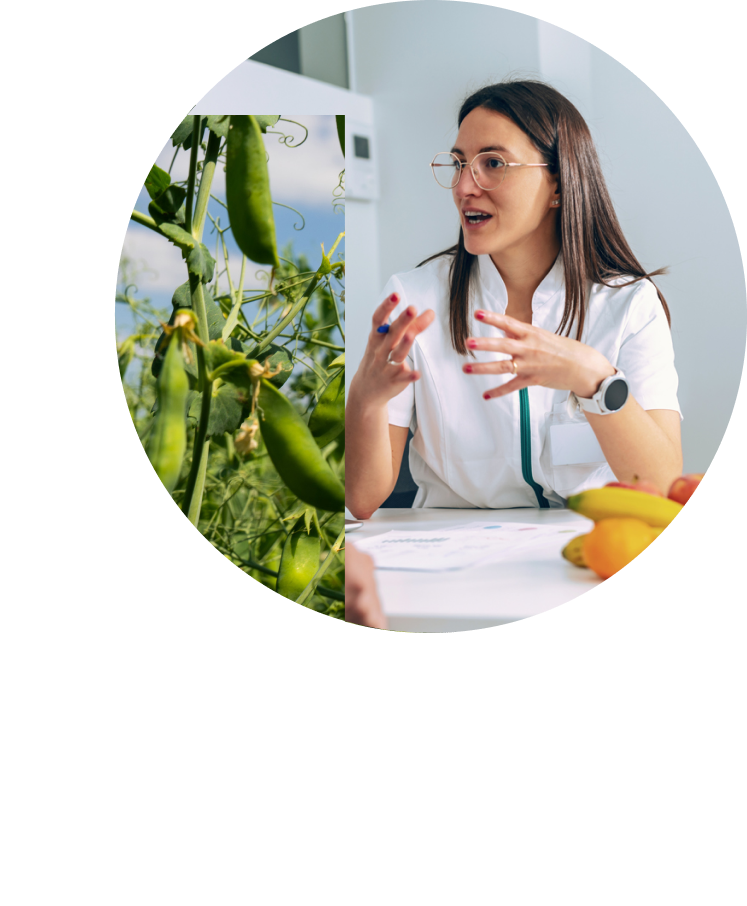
(515, 367)
(390, 361)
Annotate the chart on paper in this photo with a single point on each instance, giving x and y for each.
(455, 547)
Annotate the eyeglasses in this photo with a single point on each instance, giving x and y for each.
(488, 169)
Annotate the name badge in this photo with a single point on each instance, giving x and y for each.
(574, 444)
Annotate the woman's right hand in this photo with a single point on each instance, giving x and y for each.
(377, 380)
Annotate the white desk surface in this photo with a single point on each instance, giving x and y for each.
(536, 579)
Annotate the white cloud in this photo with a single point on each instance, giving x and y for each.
(159, 264)
(305, 175)
(160, 268)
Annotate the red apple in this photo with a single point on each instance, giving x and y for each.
(644, 486)
(683, 487)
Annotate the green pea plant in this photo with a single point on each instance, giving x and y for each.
(238, 394)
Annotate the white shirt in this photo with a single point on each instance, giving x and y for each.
(467, 451)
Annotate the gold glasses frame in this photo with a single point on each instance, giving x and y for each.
(462, 165)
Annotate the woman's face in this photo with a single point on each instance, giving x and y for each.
(520, 215)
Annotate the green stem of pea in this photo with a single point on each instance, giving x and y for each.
(195, 505)
(193, 151)
(195, 487)
(324, 566)
(145, 221)
(203, 194)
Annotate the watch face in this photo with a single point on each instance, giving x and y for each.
(616, 394)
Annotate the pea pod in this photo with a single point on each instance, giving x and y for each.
(300, 559)
(168, 440)
(248, 191)
(340, 118)
(294, 452)
(328, 418)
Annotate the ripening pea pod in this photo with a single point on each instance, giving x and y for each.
(327, 420)
(248, 191)
(294, 452)
(300, 559)
(168, 440)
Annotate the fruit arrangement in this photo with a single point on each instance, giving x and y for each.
(627, 517)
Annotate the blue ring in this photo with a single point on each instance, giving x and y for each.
(383, 329)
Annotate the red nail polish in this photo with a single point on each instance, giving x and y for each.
(468, 369)
(480, 315)
(486, 396)
(472, 344)
(394, 297)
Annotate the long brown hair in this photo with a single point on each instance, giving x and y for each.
(591, 239)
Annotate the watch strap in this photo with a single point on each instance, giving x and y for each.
(596, 403)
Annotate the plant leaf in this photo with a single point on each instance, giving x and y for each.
(180, 237)
(171, 199)
(183, 132)
(182, 297)
(276, 356)
(201, 263)
(266, 121)
(340, 118)
(226, 409)
(219, 124)
(217, 353)
(161, 216)
(157, 181)
(214, 314)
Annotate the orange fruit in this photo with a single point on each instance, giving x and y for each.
(614, 542)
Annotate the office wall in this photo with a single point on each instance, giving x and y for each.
(418, 60)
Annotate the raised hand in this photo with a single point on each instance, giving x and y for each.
(538, 357)
(383, 372)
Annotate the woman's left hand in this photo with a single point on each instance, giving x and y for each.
(538, 357)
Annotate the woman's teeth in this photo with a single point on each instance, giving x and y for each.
(475, 216)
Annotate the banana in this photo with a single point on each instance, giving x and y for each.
(574, 551)
(606, 503)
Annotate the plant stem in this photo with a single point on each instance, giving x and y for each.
(145, 221)
(311, 587)
(196, 130)
(198, 305)
(233, 316)
(200, 444)
(196, 502)
(195, 486)
(337, 314)
(203, 194)
(315, 342)
(299, 306)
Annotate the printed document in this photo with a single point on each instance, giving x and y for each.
(455, 547)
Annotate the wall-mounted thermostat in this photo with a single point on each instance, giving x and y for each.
(361, 181)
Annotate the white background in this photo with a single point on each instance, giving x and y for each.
(200, 722)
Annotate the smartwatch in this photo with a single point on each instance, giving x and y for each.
(611, 397)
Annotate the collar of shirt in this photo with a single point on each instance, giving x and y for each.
(494, 287)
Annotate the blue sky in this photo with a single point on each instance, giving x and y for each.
(303, 177)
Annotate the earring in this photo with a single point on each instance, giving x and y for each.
(556, 201)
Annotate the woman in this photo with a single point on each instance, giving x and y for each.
(540, 253)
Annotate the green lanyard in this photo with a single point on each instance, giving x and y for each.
(526, 449)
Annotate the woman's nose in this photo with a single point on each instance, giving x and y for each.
(467, 185)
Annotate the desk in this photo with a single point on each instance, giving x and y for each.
(537, 578)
